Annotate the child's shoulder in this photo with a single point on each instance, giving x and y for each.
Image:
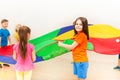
(80, 34)
(15, 45)
(7, 30)
(1, 29)
(31, 45)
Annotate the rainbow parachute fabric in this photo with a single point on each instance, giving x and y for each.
(104, 39)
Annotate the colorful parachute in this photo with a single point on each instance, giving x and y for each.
(103, 39)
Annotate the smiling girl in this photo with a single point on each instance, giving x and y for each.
(79, 47)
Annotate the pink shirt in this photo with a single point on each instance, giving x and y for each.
(27, 64)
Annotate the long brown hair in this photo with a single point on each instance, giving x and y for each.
(84, 24)
(23, 35)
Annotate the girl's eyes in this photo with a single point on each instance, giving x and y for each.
(78, 24)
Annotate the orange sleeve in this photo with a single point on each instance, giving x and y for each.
(79, 39)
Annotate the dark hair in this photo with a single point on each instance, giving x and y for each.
(23, 35)
(84, 24)
(4, 20)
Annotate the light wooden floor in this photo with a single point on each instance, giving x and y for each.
(60, 68)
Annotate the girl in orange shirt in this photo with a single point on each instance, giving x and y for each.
(79, 48)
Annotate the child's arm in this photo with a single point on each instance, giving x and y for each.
(14, 55)
(70, 47)
(33, 56)
(9, 39)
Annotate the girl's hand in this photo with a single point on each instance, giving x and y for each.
(59, 43)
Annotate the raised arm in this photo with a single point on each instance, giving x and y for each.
(70, 47)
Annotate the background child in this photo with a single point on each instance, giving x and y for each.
(16, 32)
(79, 48)
(24, 54)
(4, 35)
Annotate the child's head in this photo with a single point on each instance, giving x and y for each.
(81, 24)
(24, 35)
(24, 32)
(17, 27)
(4, 23)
